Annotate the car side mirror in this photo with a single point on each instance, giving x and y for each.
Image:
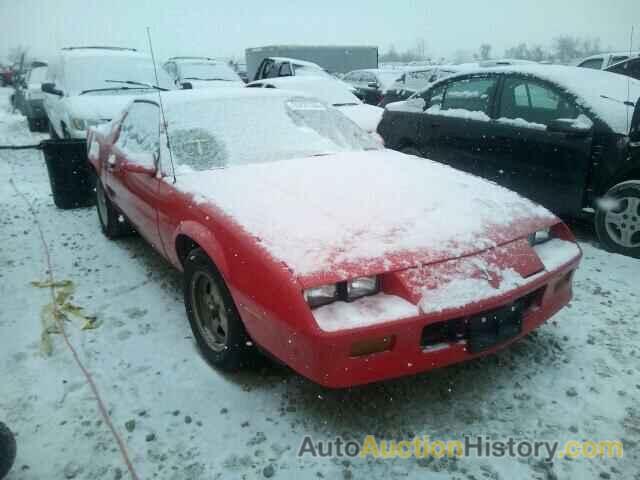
(186, 85)
(51, 88)
(570, 126)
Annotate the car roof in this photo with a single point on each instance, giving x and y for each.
(99, 52)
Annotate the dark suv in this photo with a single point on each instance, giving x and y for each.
(565, 137)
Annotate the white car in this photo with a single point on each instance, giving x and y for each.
(201, 72)
(331, 91)
(86, 86)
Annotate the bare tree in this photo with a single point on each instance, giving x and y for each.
(485, 51)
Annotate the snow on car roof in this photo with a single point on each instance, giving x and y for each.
(604, 93)
(97, 52)
(324, 88)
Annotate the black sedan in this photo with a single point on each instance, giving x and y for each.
(563, 136)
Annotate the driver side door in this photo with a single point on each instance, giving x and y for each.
(135, 192)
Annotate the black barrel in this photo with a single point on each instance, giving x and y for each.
(72, 180)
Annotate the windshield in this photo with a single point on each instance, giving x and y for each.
(92, 72)
(208, 71)
(215, 133)
(37, 75)
(386, 79)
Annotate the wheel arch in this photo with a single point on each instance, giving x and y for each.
(192, 235)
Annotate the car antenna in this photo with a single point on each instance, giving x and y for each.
(629, 79)
(164, 119)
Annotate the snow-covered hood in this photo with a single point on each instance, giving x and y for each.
(196, 84)
(366, 116)
(97, 107)
(349, 214)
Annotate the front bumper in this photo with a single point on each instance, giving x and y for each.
(331, 363)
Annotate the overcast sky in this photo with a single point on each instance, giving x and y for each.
(221, 28)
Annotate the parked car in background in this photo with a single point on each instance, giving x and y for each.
(201, 72)
(605, 60)
(86, 86)
(629, 67)
(273, 67)
(298, 233)
(335, 59)
(558, 135)
(333, 92)
(413, 81)
(28, 96)
(370, 84)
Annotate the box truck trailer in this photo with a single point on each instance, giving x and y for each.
(333, 58)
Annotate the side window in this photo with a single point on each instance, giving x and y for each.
(266, 69)
(472, 94)
(273, 70)
(595, 63)
(285, 70)
(534, 102)
(139, 135)
(618, 59)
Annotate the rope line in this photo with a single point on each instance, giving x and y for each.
(85, 371)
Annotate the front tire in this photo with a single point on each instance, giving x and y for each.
(213, 316)
(112, 223)
(617, 219)
(7, 450)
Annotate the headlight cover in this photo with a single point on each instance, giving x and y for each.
(541, 236)
(361, 287)
(345, 291)
(78, 124)
(82, 124)
(318, 296)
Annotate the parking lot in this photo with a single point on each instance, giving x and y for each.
(576, 377)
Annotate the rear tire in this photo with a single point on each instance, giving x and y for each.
(617, 219)
(7, 450)
(213, 316)
(112, 223)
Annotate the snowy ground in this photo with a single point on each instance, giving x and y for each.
(578, 377)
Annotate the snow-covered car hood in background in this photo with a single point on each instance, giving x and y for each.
(215, 83)
(360, 213)
(366, 116)
(98, 107)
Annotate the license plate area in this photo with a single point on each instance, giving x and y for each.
(483, 330)
(492, 328)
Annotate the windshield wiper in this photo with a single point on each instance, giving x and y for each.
(109, 89)
(209, 79)
(345, 104)
(139, 84)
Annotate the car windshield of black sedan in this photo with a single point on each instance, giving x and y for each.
(221, 132)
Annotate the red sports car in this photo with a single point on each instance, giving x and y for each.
(299, 234)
